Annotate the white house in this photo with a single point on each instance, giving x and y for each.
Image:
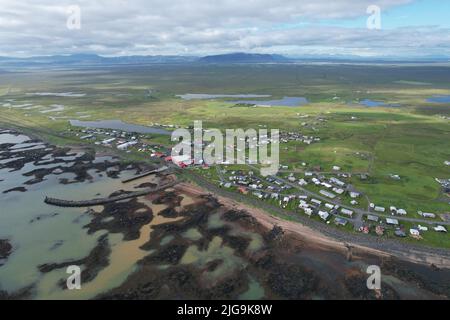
(324, 215)
(308, 211)
(347, 212)
(126, 145)
(428, 215)
(108, 141)
(392, 221)
(338, 190)
(440, 229)
(354, 194)
(327, 194)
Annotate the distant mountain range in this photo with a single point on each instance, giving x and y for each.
(92, 59)
(81, 60)
(241, 57)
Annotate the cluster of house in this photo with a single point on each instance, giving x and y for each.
(248, 182)
(399, 232)
(445, 184)
(121, 140)
(414, 232)
(392, 210)
(324, 210)
(271, 188)
(332, 187)
(297, 136)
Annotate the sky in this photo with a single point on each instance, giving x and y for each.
(403, 28)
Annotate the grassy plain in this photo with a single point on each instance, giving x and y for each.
(411, 139)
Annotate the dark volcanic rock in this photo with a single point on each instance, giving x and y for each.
(274, 235)
(5, 249)
(19, 189)
(171, 199)
(292, 281)
(356, 284)
(93, 263)
(128, 218)
(171, 254)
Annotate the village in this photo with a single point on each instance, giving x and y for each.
(326, 205)
(319, 195)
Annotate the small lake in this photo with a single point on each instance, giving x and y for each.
(118, 125)
(285, 102)
(373, 104)
(57, 94)
(439, 99)
(203, 96)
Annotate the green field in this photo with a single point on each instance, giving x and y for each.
(411, 140)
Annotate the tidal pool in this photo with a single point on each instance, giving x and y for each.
(42, 234)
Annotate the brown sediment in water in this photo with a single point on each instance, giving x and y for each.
(217, 265)
(182, 243)
(93, 263)
(428, 256)
(126, 217)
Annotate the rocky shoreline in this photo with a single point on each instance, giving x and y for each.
(415, 253)
(198, 246)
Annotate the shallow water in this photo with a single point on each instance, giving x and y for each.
(40, 233)
(192, 234)
(122, 262)
(373, 104)
(285, 102)
(439, 99)
(11, 138)
(216, 251)
(57, 94)
(255, 291)
(203, 96)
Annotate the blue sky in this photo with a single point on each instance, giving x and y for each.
(409, 28)
(417, 13)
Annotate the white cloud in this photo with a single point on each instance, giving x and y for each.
(116, 27)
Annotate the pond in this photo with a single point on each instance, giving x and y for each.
(203, 96)
(439, 99)
(373, 104)
(284, 102)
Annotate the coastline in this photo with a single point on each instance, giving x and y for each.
(315, 234)
(319, 239)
